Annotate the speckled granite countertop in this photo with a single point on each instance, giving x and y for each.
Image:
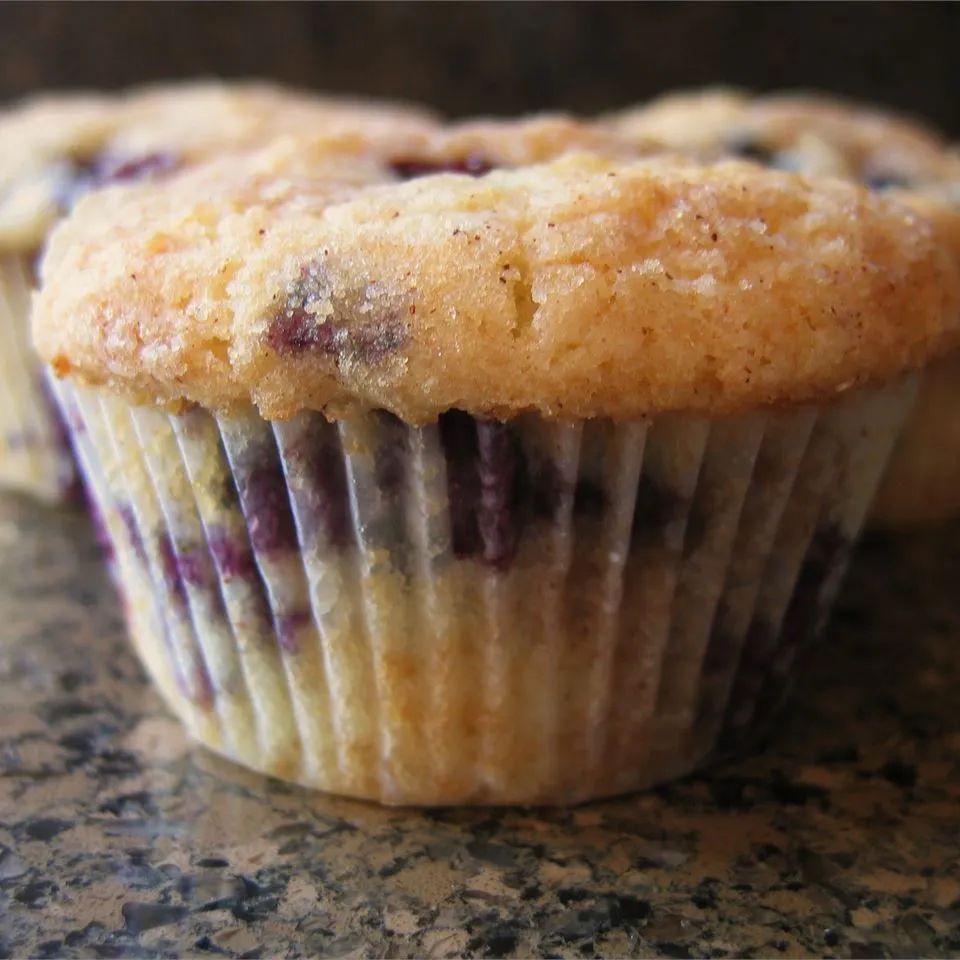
(118, 839)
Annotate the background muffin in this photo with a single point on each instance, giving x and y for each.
(57, 148)
(342, 430)
(888, 153)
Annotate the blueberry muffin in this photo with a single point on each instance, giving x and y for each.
(463, 474)
(889, 154)
(55, 148)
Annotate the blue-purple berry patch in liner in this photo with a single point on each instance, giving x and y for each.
(476, 611)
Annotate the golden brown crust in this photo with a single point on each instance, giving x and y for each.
(812, 134)
(50, 141)
(578, 288)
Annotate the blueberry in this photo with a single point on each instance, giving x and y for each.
(589, 499)
(748, 146)
(231, 554)
(193, 566)
(656, 507)
(323, 501)
(106, 170)
(109, 170)
(458, 435)
(133, 530)
(886, 180)
(170, 566)
(500, 470)
(358, 328)
(288, 625)
(266, 505)
(390, 459)
(546, 490)
(409, 168)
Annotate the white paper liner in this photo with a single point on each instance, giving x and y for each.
(922, 481)
(34, 456)
(475, 612)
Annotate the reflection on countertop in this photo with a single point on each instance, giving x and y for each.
(117, 838)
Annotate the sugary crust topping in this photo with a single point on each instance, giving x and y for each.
(812, 134)
(806, 132)
(585, 286)
(56, 146)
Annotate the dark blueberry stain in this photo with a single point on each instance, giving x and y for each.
(100, 529)
(410, 168)
(762, 680)
(140, 917)
(323, 500)
(193, 566)
(212, 862)
(289, 625)
(170, 566)
(458, 435)
(201, 692)
(880, 180)
(231, 554)
(134, 537)
(547, 490)
(656, 507)
(110, 170)
(589, 499)
(357, 329)
(747, 146)
(107, 170)
(390, 458)
(500, 470)
(45, 828)
(899, 773)
(495, 488)
(266, 504)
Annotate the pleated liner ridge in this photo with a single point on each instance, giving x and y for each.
(34, 454)
(478, 612)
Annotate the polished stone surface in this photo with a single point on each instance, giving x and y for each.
(118, 839)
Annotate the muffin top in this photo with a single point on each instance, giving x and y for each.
(527, 266)
(812, 134)
(55, 148)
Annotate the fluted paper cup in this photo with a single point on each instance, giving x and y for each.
(34, 454)
(922, 480)
(475, 611)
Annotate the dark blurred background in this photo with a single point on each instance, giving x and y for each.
(499, 57)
